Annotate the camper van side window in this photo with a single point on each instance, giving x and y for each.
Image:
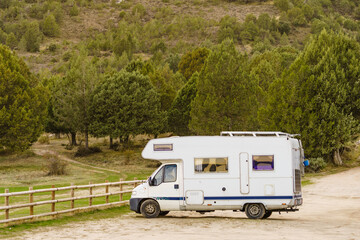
(165, 174)
(263, 162)
(209, 165)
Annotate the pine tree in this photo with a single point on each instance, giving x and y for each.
(226, 97)
(179, 113)
(22, 103)
(73, 94)
(126, 104)
(318, 96)
(193, 61)
(49, 26)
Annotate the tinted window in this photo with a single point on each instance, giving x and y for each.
(204, 165)
(166, 174)
(263, 162)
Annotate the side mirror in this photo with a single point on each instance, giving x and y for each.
(150, 181)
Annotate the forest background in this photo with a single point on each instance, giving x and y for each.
(122, 68)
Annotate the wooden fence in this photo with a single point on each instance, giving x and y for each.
(91, 187)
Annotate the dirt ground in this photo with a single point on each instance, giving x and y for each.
(331, 210)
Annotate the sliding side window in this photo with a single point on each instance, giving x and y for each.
(263, 162)
(209, 165)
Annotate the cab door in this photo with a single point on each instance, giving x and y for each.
(165, 187)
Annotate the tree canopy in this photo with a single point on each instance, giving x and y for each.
(126, 104)
(22, 103)
(318, 96)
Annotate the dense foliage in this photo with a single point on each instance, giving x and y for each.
(121, 69)
(22, 103)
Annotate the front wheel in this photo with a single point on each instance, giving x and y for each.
(255, 210)
(150, 209)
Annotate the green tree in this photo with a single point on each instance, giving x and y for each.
(193, 61)
(73, 95)
(11, 41)
(126, 104)
(22, 103)
(49, 26)
(318, 96)
(179, 113)
(32, 37)
(226, 97)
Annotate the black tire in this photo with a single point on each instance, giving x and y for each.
(267, 214)
(150, 209)
(163, 213)
(255, 210)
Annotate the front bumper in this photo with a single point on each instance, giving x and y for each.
(135, 204)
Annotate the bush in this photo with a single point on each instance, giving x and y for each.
(316, 165)
(284, 27)
(11, 41)
(350, 25)
(44, 139)
(74, 11)
(49, 26)
(282, 5)
(82, 151)
(52, 47)
(296, 17)
(56, 167)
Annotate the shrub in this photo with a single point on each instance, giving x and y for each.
(296, 17)
(11, 41)
(317, 26)
(350, 25)
(52, 47)
(139, 9)
(44, 139)
(49, 26)
(56, 167)
(284, 27)
(74, 11)
(282, 5)
(32, 37)
(316, 165)
(82, 151)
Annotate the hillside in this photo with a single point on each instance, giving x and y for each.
(124, 68)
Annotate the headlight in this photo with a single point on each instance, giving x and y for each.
(133, 193)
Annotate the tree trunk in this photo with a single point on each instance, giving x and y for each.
(57, 135)
(73, 139)
(86, 138)
(337, 158)
(111, 142)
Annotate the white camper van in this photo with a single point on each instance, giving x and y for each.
(253, 172)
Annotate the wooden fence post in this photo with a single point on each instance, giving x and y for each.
(121, 189)
(31, 200)
(135, 178)
(107, 191)
(72, 195)
(91, 192)
(53, 198)
(7, 204)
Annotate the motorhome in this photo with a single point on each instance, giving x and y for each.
(253, 172)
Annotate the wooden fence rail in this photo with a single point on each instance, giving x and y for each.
(7, 207)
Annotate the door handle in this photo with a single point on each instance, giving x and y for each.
(176, 186)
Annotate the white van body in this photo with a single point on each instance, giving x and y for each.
(235, 171)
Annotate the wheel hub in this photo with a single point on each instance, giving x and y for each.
(150, 208)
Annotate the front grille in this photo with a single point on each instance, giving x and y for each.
(297, 181)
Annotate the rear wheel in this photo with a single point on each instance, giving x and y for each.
(255, 210)
(267, 214)
(150, 209)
